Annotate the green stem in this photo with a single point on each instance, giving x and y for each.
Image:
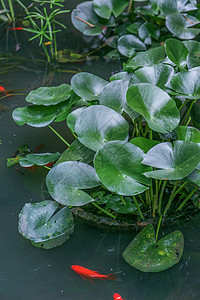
(62, 139)
(47, 168)
(138, 208)
(155, 199)
(146, 130)
(140, 126)
(4, 7)
(103, 210)
(123, 201)
(161, 197)
(186, 199)
(158, 227)
(73, 134)
(151, 191)
(188, 112)
(183, 104)
(11, 10)
(151, 134)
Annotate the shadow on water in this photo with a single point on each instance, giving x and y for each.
(31, 273)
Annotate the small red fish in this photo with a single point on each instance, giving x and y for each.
(117, 296)
(2, 90)
(90, 274)
(16, 28)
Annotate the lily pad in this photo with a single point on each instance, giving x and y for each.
(193, 58)
(118, 166)
(188, 133)
(195, 177)
(49, 95)
(176, 51)
(175, 162)
(117, 205)
(155, 105)
(129, 43)
(143, 143)
(121, 76)
(173, 6)
(88, 86)
(147, 255)
(72, 117)
(66, 180)
(44, 226)
(158, 75)
(104, 8)
(98, 124)
(147, 31)
(40, 159)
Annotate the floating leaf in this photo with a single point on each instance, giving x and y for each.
(85, 12)
(147, 255)
(147, 58)
(98, 124)
(193, 58)
(118, 166)
(104, 8)
(21, 152)
(188, 133)
(66, 180)
(49, 95)
(40, 159)
(44, 226)
(121, 76)
(173, 6)
(154, 105)
(77, 152)
(175, 162)
(72, 117)
(195, 177)
(115, 203)
(143, 143)
(186, 83)
(88, 86)
(147, 31)
(129, 43)
(157, 75)
(176, 51)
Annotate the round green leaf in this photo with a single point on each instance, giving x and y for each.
(195, 177)
(143, 143)
(157, 75)
(49, 95)
(121, 76)
(180, 27)
(147, 255)
(43, 226)
(154, 105)
(40, 159)
(88, 86)
(147, 31)
(85, 12)
(66, 180)
(129, 43)
(176, 51)
(118, 166)
(193, 58)
(72, 117)
(173, 6)
(186, 83)
(98, 124)
(147, 58)
(104, 8)
(115, 203)
(175, 162)
(37, 115)
(187, 133)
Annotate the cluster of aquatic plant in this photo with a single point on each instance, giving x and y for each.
(129, 26)
(136, 154)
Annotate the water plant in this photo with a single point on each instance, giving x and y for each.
(7, 14)
(136, 154)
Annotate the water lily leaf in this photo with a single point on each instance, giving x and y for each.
(129, 43)
(186, 83)
(38, 115)
(154, 105)
(147, 31)
(118, 166)
(147, 255)
(176, 51)
(40, 159)
(104, 8)
(147, 58)
(85, 12)
(143, 143)
(98, 124)
(157, 75)
(121, 76)
(193, 58)
(88, 86)
(117, 205)
(188, 133)
(133, 28)
(44, 226)
(66, 180)
(72, 117)
(180, 27)
(77, 152)
(73, 100)
(49, 95)
(195, 114)
(175, 162)
(195, 177)
(173, 6)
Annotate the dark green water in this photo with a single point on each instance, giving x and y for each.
(30, 273)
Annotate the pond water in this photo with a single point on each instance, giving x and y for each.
(30, 273)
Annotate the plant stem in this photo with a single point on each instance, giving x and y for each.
(183, 104)
(186, 199)
(46, 167)
(103, 210)
(11, 10)
(146, 131)
(188, 112)
(155, 204)
(161, 197)
(158, 227)
(4, 7)
(151, 134)
(123, 201)
(62, 139)
(138, 208)
(73, 134)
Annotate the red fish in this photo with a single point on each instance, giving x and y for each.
(2, 90)
(16, 28)
(90, 274)
(117, 296)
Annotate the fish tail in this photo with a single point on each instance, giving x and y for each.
(113, 276)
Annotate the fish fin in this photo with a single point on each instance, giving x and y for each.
(113, 276)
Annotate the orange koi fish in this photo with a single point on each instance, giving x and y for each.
(2, 90)
(16, 28)
(90, 274)
(117, 296)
